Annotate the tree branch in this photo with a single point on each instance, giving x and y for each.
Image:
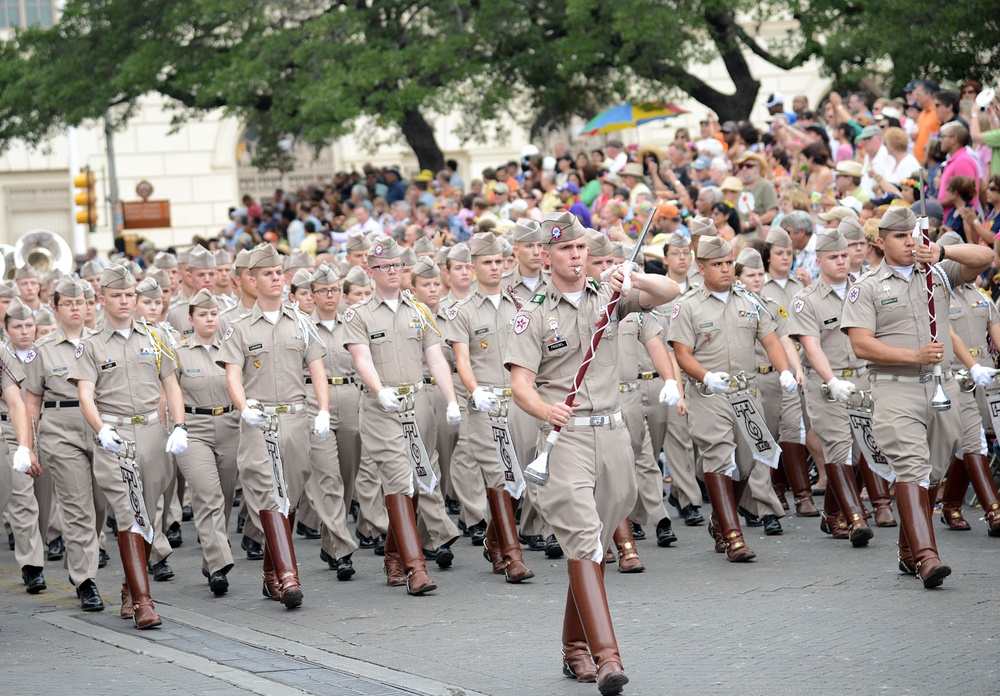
(761, 52)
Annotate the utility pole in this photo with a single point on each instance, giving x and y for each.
(109, 138)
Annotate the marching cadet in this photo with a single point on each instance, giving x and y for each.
(785, 411)
(91, 312)
(635, 330)
(592, 482)
(522, 283)
(209, 464)
(8, 291)
(166, 261)
(334, 460)
(389, 335)
(121, 372)
(263, 354)
(223, 287)
(199, 274)
(479, 331)
(669, 428)
(974, 318)
(26, 278)
(857, 246)
(246, 292)
(91, 273)
(713, 331)
(300, 291)
(828, 359)
(356, 247)
(22, 512)
(889, 321)
(435, 528)
(184, 289)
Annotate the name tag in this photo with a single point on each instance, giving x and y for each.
(955, 312)
(57, 370)
(831, 320)
(706, 325)
(255, 346)
(193, 370)
(480, 332)
(557, 345)
(188, 332)
(380, 334)
(109, 365)
(891, 300)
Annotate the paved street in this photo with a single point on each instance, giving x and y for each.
(809, 615)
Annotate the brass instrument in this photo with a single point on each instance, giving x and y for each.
(43, 250)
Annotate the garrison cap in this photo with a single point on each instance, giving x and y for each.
(713, 248)
(778, 237)
(92, 268)
(561, 227)
(750, 258)
(8, 288)
(426, 268)
(264, 256)
(200, 258)
(149, 288)
(526, 230)
(302, 279)
(703, 225)
(116, 277)
(598, 244)
(384, 247)
(325, 275)
(898, 219)
(203, 299)
(851, 229)
(830, 240)
(485, 244)
(68, 287)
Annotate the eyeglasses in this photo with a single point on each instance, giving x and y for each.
(969, 91)
(385, 268)
(747, 165)
(80, 304)
(678, 254)
(326, 292)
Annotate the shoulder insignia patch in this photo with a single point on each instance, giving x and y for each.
(452, 312)
(348, 315)
(797, 306)
(521, 324)
(782, 312)
(675, 311)
(229, 333)
(854, 294)
(30, 356)
(538, 298)
(79, 350)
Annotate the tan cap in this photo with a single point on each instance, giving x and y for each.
(598, 244)
(408, 257)
(703, 225)
(357, 276)
(301, 279)
(8, 288)
(839, 212)
(358, 241)
(485, 244)
(384, 247)
(750, 258)
(851, 229)
(183, 255)
(898, 219)
(25, 272)
(777, 237)
(301, 259)
(442, 255)
(88, 290)
(677, 240)
(460, 253)
(324, 275)
(18, 310)
(68, 287)
(222, 258)
(200, 258)
(116, 277)
(203, 299)
(424, 245)
(527, 231)
(713, 248)
(849, 168)
(264, 256)
(135, 269)
(618, 249)
(830, 240)
(426, 268)
(149, 287)
(161, 276)
(92, 268)
(242, 259)
(163, 259)
(506, 248)
(560, 227)
(731, 183)
(45, 317)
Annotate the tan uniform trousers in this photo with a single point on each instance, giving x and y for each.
(524, 431)
(382, 436)
(649, 481)
(830, 420)
(918, 441)
(64, 438)
(672, 434)
(255, 466)
(721, 446)
(486, 468)
(210, 471)
(591, 487)
(373, 519)
(464, 480)
(155, 471)
(334, 464)
(22, 508)
(783, 416)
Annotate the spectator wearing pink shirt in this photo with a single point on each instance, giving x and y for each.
(960, 162)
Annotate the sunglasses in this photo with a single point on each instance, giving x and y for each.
(747, 165)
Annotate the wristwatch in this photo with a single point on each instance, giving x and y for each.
(182, 426)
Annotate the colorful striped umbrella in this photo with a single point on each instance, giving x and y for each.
(630, 116)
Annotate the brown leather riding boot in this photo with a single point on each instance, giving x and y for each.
(132, 548)
(587, 584)
(502, 512)
(722, 493)
(878, 494)
(978, 468)
(953, 495)
(404, 531)
(715, 531)
(577, 661)
(840, 483)
(278, 543)
(628, 558)
(915, 516)
(906, 563)
(833, 522)
(491, 549)
(126, 612)
(794, 460)
(395, 576)
(779, 482)
(271, 587)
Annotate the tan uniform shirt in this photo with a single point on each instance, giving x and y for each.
(486, 330)
(780, 317)
(48, 373)
(972, 314)
(513, 285)
(203, 382)
(397, 339)
(636, 330)
(817, 311)
(337, 362)
(272, 355)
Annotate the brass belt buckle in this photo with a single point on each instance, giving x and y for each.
(975, 352)
(336, 381)
(403, 389)
(283, 408)
(137, 420)
(218, 410)
(506, 392)
(646, 375)
(849, 372)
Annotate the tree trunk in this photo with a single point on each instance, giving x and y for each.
(420, 137)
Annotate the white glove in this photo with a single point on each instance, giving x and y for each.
(669, 395)
(717, 382)
(321, 424)
(841, 389)
(21, 460)
(177, 443)
(389, 400)
(788, 382)
(253, 417)
(484, 399)
(982, 376)
(109, 439)
(452, 414)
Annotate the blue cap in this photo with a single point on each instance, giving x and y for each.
(571, 187)
(702, 163)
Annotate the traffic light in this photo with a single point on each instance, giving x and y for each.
(86, 198)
